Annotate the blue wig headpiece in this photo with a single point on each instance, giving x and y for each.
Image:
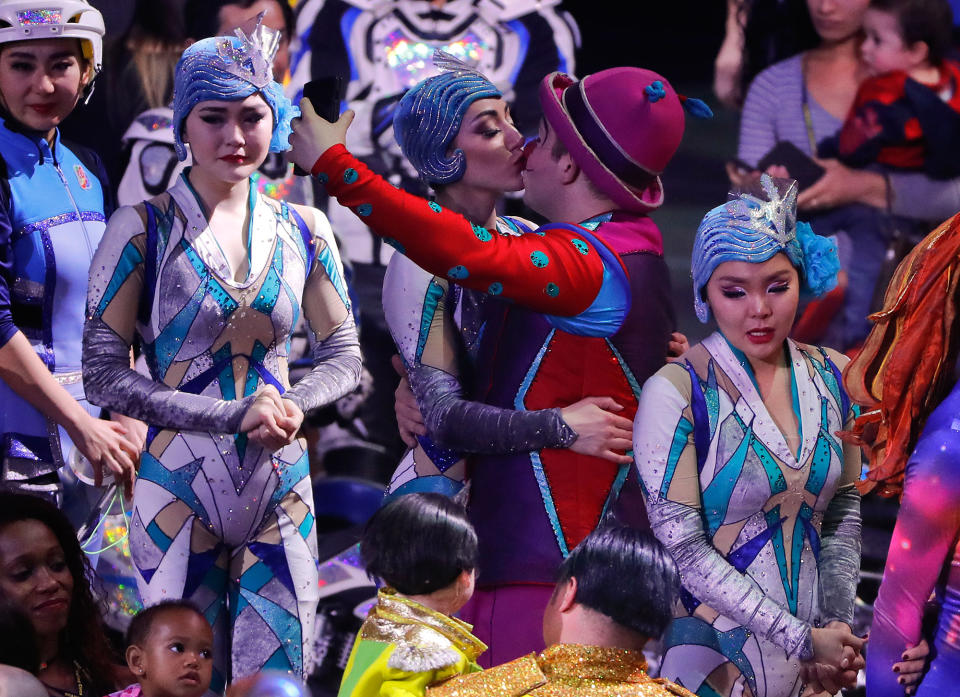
(428, 118)
(231, 68)
(752, 230)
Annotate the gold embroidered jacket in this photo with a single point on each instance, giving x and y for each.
(403, 647)
(565, 670)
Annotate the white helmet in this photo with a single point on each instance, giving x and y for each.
(22, 20)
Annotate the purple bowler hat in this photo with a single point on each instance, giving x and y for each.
(621, 126)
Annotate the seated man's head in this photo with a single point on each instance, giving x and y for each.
(617, 588)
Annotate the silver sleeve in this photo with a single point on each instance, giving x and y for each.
(840, 556)
(473, 427)
(714, 581)
(335, 372)
(111, 383)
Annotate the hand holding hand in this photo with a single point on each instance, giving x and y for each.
(409, 419)
(599, 430)
(837, 658)
(136, 429)
(267, 420)
(313, 135)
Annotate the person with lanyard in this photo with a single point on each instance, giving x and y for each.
(212, 276)
(54, 202)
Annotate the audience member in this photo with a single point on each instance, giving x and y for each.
(170, 651)
(43, 571)
(803, 100)
(595, 626)
(424, 549)
(904, 118)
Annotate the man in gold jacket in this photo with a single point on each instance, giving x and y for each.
(616, 591)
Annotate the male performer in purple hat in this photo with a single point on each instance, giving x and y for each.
(603, 143)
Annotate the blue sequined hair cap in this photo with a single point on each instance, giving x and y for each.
(753, 230)
(429, 115)
(231, 68)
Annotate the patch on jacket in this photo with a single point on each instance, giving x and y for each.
(418, 658)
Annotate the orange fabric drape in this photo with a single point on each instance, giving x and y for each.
(906, 365)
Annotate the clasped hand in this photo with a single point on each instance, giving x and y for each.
(271, 421)
(837, 658)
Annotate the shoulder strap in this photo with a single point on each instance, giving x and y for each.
(838, 376)
(701, 418)
(305, 234)
(149, 263)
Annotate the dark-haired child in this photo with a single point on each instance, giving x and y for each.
(170, 650)
(424, 549)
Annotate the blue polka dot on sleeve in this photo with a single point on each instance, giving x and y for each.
(364, 209)
(481, 233)
(458, 272)
(552, 289)
(539, 259)
(350, 175)
(581, 246)
(495, 288)
(435, 207)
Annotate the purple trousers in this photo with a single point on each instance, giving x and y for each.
(508, 619)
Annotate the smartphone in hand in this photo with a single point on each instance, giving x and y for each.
(801, 166)
(326, 95)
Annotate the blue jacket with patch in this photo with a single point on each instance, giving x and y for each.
(53, 209)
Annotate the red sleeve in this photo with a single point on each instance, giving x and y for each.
(552, 271)
(860, 136)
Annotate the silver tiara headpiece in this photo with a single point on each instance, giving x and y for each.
(252, 60)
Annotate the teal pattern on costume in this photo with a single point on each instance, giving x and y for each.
(218, 519)
(711, 457)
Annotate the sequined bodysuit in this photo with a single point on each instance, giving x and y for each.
(924, 557)
(767, 539)
(215, 514)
